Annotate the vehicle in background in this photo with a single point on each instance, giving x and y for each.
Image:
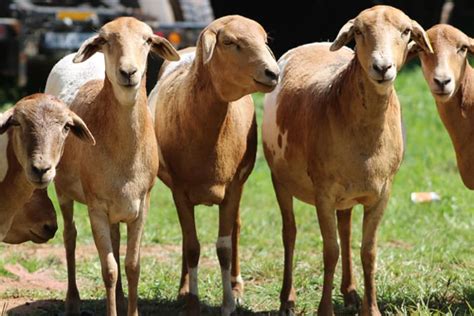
(42, 31)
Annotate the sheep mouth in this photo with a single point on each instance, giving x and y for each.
(265, 85)
(38, 238)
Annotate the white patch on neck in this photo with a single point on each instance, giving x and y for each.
(3, 156)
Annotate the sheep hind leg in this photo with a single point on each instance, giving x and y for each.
(285, 202)
(236, 278)
(73, 300)
(191, 249)
(348, 283)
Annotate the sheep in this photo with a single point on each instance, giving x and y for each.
(115, 177)
(207, 137)
(332, 138)
(30, 151)
(451, 82)
(35, 221)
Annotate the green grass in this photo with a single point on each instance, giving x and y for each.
(426, 256)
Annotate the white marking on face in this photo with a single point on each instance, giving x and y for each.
(3, 156)
(186, 58)
(193, 280)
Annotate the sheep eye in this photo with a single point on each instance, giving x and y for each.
(148, 41)
(406, 32)
(66, 128)
(463, 49)
(357, 32)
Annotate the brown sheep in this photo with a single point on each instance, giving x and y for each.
(451, 81)
(207, 136)
(332, 138)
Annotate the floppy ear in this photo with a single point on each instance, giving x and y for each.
(345, 35)
(6, 120)
(163, 48)
(420, 37)
(413, 50)
(90, 46)
(471, 46)
(208, 42)
(80, 130)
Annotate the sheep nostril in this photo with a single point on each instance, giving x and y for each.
(128, 73)
(442, 82)
(381, 69)
(270, 74)
(40, 171)
(50, 229)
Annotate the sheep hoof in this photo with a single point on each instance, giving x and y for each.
(352, 301)
(287, 309)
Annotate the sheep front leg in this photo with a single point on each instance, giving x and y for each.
(228, 210)
(285, 202)
(327, 224)
(348, 283)
(103, 242)
(121, 303)
(191, 249)
(73, 300)
(132, 258)
(368, 252)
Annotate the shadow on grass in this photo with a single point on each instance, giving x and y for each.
(435, 303)
(146, 308)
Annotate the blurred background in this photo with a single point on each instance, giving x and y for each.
(35, 34)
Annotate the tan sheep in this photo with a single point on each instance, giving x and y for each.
(451, 81)
(115, 177)
(35, 221)
(207, 136)
(37, 129)
(332, 138)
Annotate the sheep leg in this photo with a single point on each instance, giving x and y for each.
(132, 258)
(103, 242)
(368, 252)
(73, 300)
(121, 303)
(184, 281)
(228, 210)
(191, 249)
(348, 283)
(236, 278)
(328, 227)
(285, 201)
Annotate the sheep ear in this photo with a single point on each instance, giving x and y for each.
(162, 47)
(471, 46)
(90, 46)
(80, 130)
(7, 120)
(345, 35)
(413, 50)
(208, 41)
(419, 35)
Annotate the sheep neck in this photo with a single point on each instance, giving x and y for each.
(360, 100)
(210, 110)
(126, 121)
(458, 118)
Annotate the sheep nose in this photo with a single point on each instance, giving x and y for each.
(442, 82)
(271, 75)
(50, 229)
(382, 69)
(40, 170)
(128, 72)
